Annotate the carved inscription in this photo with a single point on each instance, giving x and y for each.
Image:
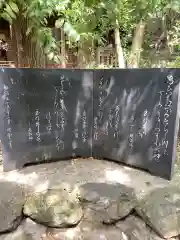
(37, 119)
(131, 132)
(76, 130)
(104, 89)
(143, 130)
(110, 118)
(167, 112)
(101, 96)
(30, 133)
(84, 127)
(161, 145)
(60, 112)
(98, 118)
(49, 120)
(59, 143)
(117, 121)
(7, 112)
(157, 143)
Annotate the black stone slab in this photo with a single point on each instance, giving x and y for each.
(135, 117)
(45, 114)
(129, 116)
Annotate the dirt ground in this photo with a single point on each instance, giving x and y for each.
(88, 170)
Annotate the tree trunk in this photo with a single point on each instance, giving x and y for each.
(63, 49)
(119, 49)
(16, 43)
(33, 54)
(136, 48)
(27, 53)
(81, 58)
(86, 54)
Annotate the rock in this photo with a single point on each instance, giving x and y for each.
(56, 207)
(161, 210)
(88, 196)
(18, 234)
(107, 202)
(12, 199)
(107, 233)
(28, 230)
(86, 233)
(136, 229)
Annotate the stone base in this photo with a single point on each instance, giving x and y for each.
(87, 200)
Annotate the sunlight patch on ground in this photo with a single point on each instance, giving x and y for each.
(42, 187)
(71, 233)
(117, 176)
(20, 178)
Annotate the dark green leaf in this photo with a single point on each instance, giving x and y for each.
(10, 11)
(14, 7)
(7, 17)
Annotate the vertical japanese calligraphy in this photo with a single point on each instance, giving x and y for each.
(131, 132)
(84, 127)
(167, 112)
(30, 133)
(49, 120)
(117, 121)
(143, 130)
(7, 112)
(157, 142)
(37, 119)
(60, 111)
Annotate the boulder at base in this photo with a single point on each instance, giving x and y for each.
(136, 229)
(28, 230)
(55, 207)
(107, 203)
(161, 210)
(79, 233)
(12, 200)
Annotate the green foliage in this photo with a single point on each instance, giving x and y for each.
(37, 12)
(82, 20)
(174, 36)
(175, 63)
(9, 10)
(174, 5)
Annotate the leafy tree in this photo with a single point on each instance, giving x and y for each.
(33, 36)
(84, 22)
